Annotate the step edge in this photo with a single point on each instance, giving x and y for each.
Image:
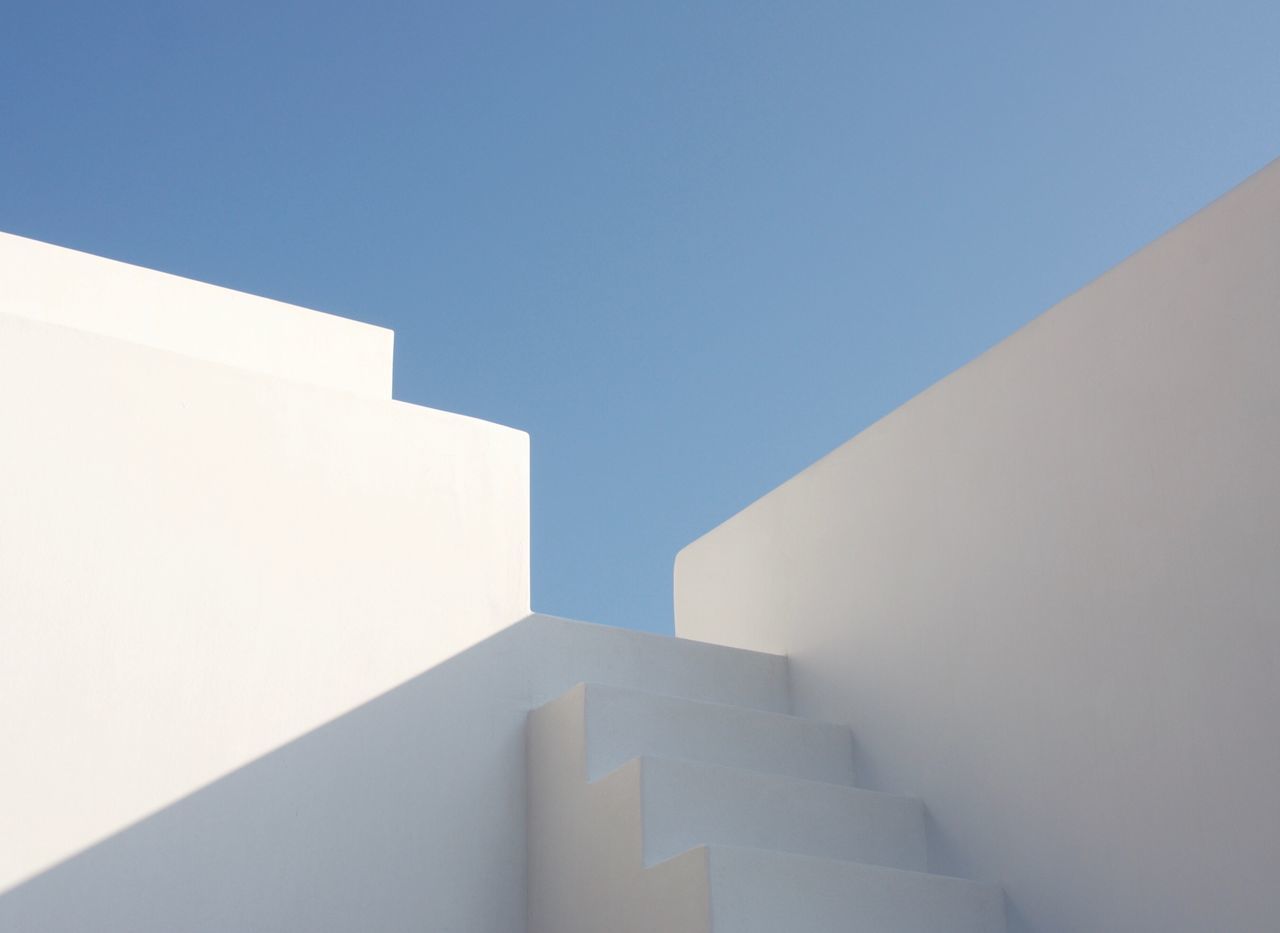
(652, 637)
(928, 876)
(752, 710)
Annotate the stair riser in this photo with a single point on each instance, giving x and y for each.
(754, 891)
(686, 804)
(688, 846)
(624, 724)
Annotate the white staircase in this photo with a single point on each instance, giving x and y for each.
(651, 813)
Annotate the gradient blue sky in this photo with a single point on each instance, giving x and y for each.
(690, 247)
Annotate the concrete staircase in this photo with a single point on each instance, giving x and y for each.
(669, 814)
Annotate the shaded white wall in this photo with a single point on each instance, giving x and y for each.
(56, 285)
(407, 813)
(199, 563)
(1045, 595)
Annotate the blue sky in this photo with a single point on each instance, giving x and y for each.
(690, 247)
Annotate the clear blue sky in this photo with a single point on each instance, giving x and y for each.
(690, 247)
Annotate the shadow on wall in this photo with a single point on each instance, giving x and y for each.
(405, 813)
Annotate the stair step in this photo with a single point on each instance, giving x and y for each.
(660, 664)
(652, 812)
(621, 724)
(761, 891)
(689, 803)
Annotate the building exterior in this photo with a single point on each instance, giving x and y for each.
(267, 660)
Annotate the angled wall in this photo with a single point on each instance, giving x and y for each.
(1044, 593)
(199, 562)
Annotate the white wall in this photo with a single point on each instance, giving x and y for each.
(407, 813)
(1044, 593)
(199, 563)
(56, 285)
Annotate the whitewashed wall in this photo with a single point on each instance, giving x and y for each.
(48, 283)
(407, 813)
(1045, 593)
(199, 562)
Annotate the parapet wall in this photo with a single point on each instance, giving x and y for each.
(200, 562)
(55, 285)
(1044, 593)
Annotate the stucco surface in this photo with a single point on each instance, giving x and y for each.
(1044, 593)
(199, 563)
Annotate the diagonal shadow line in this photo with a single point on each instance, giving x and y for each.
(406, 813)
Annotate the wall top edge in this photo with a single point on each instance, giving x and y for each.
(1251, 201)
(57, 285)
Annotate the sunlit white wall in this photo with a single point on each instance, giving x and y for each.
(199, 562)
(43, 282)
(1044, 593)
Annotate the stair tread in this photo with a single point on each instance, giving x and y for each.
(763, 890)
(664, 664)
(624, 723)
(686, 803)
